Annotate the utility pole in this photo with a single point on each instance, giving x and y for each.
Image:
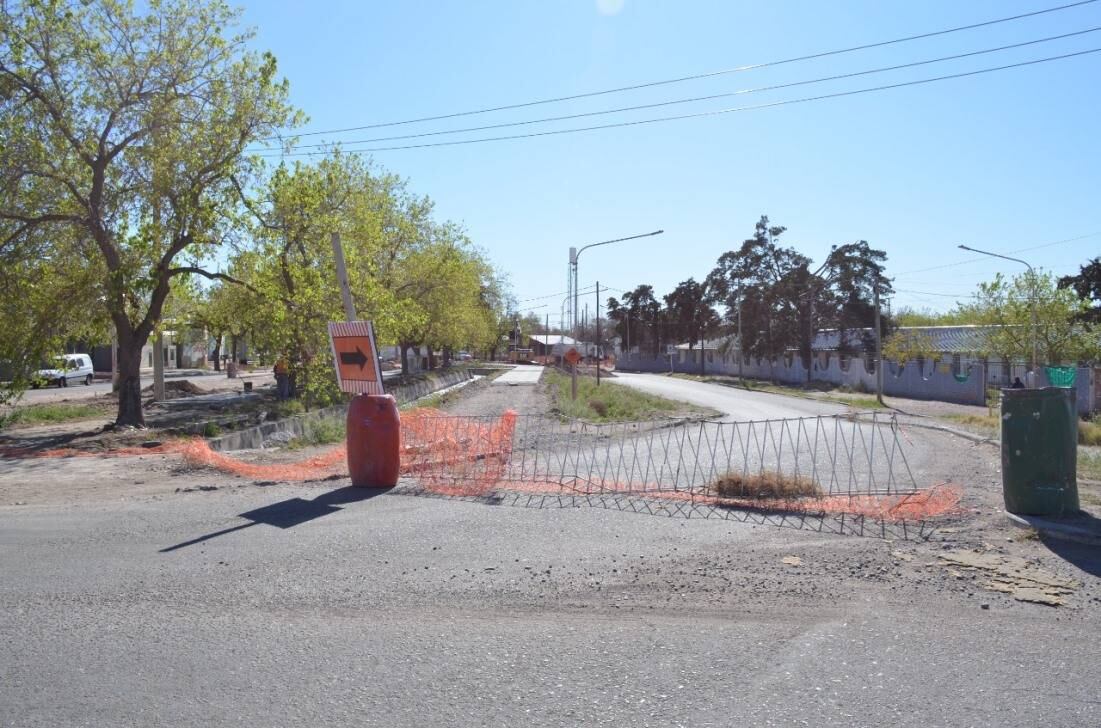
(741, 352)
(342, 278)
(598, 333)
(878, 351)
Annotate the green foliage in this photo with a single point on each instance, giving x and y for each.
(639, 320)
(783, 302)
(1006, 305)
(324, 431)
(124, 134)
(907, 316)
(689, 312)
(420, 282)
(904, 346)
(211, 429)
(1087, 284)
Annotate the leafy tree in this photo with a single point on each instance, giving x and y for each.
(783, 302)
(1087, 284)
(638, 318)
(907, 316)
(121, 135)
(1006, 306)
(689, 309)
(767, 281)
(904, 346)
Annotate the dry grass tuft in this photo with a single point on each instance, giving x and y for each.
(768, 484)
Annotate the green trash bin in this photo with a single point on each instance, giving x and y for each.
(1039, 451)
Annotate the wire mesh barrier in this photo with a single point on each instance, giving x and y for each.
(772, 469)
(807, 467)
(819, 456)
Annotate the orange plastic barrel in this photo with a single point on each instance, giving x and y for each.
(374, 441)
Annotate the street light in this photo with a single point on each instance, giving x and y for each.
(1031, 298)
(575, 253)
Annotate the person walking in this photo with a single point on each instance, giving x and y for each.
(282, 378)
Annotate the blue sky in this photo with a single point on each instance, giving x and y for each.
(1002, 161)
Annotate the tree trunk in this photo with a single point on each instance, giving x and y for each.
(446, 357)
(703, 358)
(218, 353)
(129, 384)
(404, 359)
(431, 358)
(233, 349)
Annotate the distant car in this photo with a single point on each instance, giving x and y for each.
(67, 369)
(464, 356)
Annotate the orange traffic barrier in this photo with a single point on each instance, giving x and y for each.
(374, 441)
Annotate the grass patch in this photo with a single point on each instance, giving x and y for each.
(48, 414)
(211, 429)
(1089, 432)
(1089, 465)
(610, 402)
(326, 431)
(768, 484)
(986, 425)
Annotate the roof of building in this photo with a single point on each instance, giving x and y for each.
(948, 339)
(552, 339)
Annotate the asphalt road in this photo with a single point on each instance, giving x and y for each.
(412, 611)
(735, 403)
(316, 604)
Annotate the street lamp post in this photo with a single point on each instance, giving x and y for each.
(1031, 298)
(575, 253)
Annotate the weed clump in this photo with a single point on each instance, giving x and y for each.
(766, 484)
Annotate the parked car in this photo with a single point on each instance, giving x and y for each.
(67, 369)
(465, 356)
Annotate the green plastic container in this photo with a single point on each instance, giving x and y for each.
(1039, 451)
(1061, 376)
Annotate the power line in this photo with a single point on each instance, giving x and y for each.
(717, 112)
(1008, 252)
(698, 76)
(710, 97)
(552, 295)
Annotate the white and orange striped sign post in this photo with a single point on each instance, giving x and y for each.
(356, 357)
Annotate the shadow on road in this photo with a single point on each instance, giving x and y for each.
(1086, 557)
(290, 513)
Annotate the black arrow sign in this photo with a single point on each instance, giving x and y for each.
(347, 357)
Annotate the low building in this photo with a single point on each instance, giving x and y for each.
(550, 345)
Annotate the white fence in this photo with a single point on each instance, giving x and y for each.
(934, 380)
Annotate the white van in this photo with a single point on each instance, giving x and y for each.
(67, 369)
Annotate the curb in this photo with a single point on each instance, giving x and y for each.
(1055, 529)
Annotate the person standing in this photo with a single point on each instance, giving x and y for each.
(282, 378)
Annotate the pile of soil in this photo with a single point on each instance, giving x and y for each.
(182, 387)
